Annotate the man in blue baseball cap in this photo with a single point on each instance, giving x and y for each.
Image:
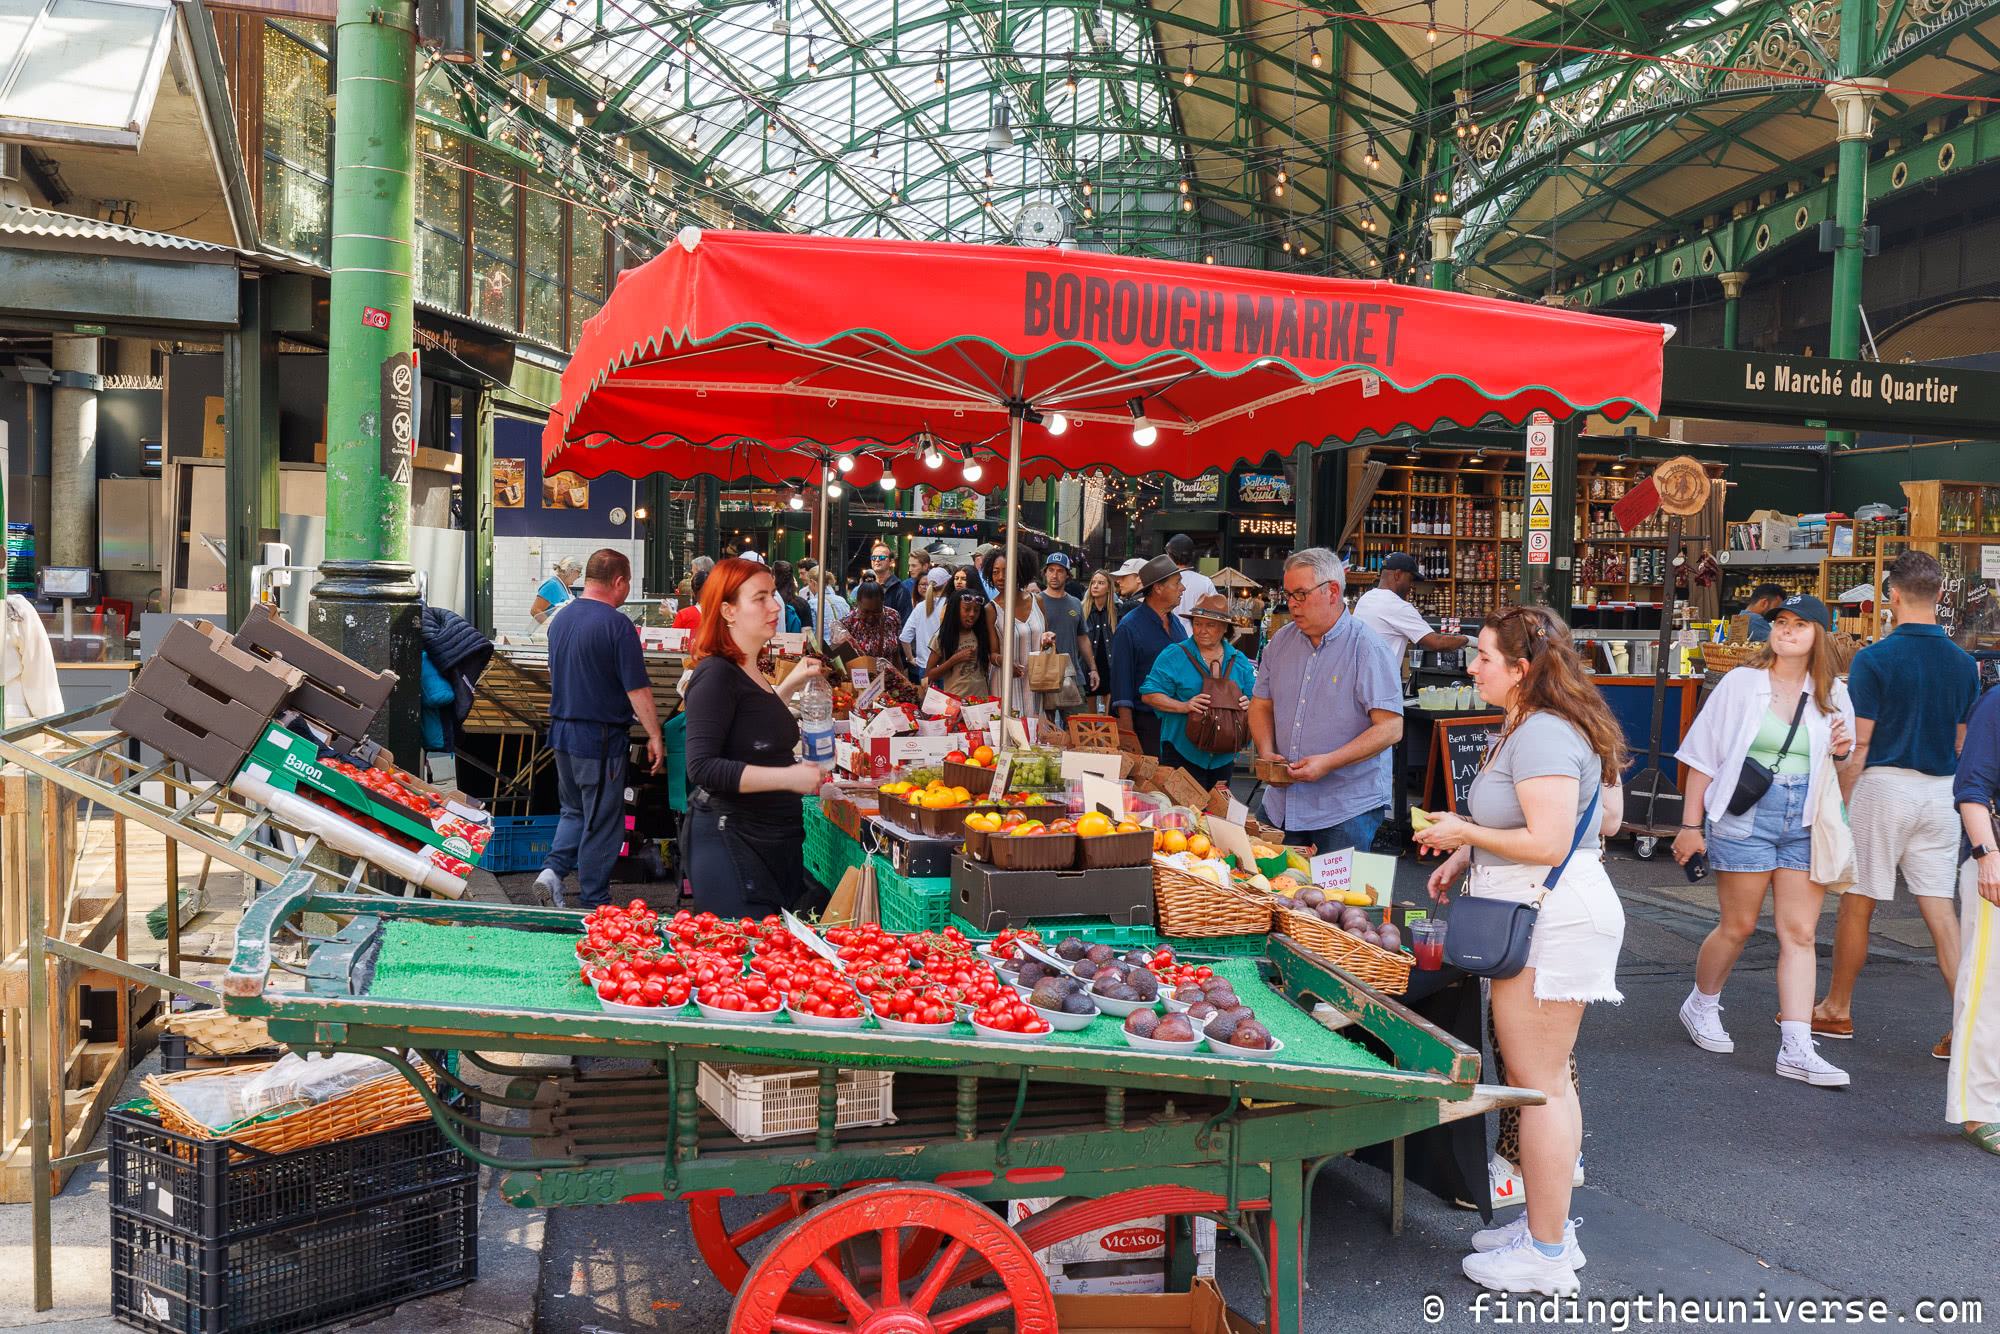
(1063, 613)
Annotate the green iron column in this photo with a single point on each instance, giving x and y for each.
(707, 516)
(365, 604)
(1854, 101)
(476, 432)
(1444, 247)
(250, 439)
(1732, 295)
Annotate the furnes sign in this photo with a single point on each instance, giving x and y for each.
(1149, 317)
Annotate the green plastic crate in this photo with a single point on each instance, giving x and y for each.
(911, 903)
(1219, 946)
(829, 853)
(1090, 930)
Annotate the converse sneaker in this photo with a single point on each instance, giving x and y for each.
(1806, 1065)
(551, 884)
(1704, 1025)
(1494, 1238)
(1504, 1184)
(1519, 1267)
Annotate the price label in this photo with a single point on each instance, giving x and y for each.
(1003, 774)
(1333, 870)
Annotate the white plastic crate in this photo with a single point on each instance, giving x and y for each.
(760, 1102)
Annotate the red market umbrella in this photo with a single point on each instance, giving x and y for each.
(815, 346)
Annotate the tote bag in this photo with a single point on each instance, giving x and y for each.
(1832, 840)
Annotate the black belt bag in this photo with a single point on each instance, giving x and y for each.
(1754, 780)
(1491, 937)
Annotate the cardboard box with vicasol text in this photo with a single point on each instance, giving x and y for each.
(202, 701)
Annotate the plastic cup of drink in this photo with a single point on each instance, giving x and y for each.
(1427, 942)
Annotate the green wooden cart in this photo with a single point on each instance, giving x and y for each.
(874, 1228)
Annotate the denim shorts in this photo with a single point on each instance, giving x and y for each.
(1777, 839)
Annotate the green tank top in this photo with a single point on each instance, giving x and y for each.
(1771, 735)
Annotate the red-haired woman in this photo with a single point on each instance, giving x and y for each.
(744, 836)
(1533, 833)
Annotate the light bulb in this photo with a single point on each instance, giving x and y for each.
(833, 490)
(1144, 433)
(933, 457)
(845, 463)
(1431, 23)
(1284, 177)
(1316, 58)
(797, 502)
(1187, 205)
(888, 482)
(973, 472)
(1057, 424)
(1185, 187)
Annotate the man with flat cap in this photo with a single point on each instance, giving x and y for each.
(1142, 633)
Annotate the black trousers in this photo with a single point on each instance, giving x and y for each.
(740, 871)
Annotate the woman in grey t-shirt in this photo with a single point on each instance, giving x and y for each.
(1535, 799)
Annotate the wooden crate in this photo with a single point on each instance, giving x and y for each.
(88, 1067)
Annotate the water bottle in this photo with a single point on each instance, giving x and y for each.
(816, 721)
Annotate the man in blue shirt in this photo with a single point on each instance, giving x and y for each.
(1912, 693)
(1142, 633)
(597, 688)
(1328, 705)
(895, 592)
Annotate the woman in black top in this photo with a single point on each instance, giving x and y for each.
(1100, 620)
(745, 835)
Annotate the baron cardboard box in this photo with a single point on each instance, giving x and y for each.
(992, 899)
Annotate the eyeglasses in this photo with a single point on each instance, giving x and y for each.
(1298, 595)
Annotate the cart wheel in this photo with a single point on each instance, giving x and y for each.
(1644, 846)
(722, 1247)
(896, 1301)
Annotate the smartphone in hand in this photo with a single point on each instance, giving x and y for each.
(1697, 868)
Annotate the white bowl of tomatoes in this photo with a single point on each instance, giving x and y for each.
(741, 1000)
(1007, 1019)
(916, 1011)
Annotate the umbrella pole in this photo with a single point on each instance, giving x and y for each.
(1015, 412)
(819, 621)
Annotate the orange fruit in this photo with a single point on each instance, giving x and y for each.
(983, 755)
(1093, 824)
(1199, 845)
(1127, 827)
(1173, 840)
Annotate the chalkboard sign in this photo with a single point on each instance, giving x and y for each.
(1459, 748)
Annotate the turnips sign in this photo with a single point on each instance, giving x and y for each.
(1149, 317)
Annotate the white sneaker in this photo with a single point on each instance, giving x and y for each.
(1704, 1025)
(1496, 1238)
(1806, 1065)
(1519, 1267)
(551, 884)
(1576, 1177)
(1504, 1185)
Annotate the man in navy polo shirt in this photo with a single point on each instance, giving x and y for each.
(597, 688)
(1141, 635)
(1912, 693)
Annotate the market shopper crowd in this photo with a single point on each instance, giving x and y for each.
(1801, 782)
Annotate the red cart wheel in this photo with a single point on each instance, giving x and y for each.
(896, 1302)
(722, 1247)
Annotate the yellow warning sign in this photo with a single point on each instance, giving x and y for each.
(1540, 483)
(1540, 514)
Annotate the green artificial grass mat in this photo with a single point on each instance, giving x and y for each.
(505, 968)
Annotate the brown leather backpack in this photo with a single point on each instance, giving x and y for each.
(1225, 728)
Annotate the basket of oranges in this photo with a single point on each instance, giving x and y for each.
(1103, 842)
(972, 771)
(937, 808)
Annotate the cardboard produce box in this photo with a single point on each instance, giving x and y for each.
(992, 899)
(338, 691)
(1200, 1310)
(1142, 1239)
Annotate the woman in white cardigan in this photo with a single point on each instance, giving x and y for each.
(1785, 710)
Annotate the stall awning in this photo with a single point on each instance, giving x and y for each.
(81, 71)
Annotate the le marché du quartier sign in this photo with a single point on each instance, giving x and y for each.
(1813, 391)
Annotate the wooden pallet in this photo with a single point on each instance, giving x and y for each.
(88, 1067)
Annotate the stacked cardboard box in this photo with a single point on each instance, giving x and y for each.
(203, 701)
(337, 692)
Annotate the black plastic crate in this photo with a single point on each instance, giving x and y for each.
(174, 1056)
(219, 1190)
(297, 1277)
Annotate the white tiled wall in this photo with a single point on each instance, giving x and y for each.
(521, 563)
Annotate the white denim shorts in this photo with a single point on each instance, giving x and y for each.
(1579, 931)
(1904, 821)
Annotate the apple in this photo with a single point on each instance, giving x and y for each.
(955, 757)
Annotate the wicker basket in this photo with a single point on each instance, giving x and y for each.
(1034, 852)
(1726, 657)
(1376, 967)
(1187, 905)
(1106, 850)
(380, 1104)
(974, 779)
